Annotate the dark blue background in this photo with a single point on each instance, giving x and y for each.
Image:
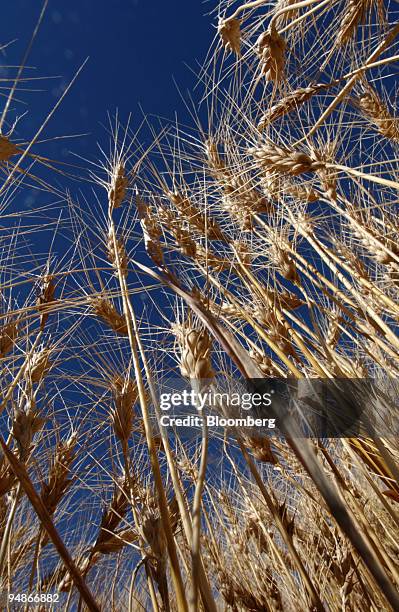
(136, 49)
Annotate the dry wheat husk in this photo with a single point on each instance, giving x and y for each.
(187, 245)
(116, 253)
(8, 336)
(53, 491)
(125, 397)
(152, 232)
(264, 363)
(273, 158)
(239, 198)
(289, 103)
(7, 477)
(229, 32)
(118, 186)
(261, 449)
(104, 309)
(45, 298)
(377, 112)
(26, 422)
(113, 515)
(7, 149)
(39, 365)
(281, 257)
(270, 49)
(205, 225)
(276, 187)
(58, 481)
(354, 14)
(115, 542)
(195, 352)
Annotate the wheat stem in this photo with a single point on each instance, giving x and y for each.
(132, 333)
(196, 514)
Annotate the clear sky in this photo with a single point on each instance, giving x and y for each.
(136, 49)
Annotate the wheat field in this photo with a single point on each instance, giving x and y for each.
(262, 244)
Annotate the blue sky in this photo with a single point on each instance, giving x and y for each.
(136, 49)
